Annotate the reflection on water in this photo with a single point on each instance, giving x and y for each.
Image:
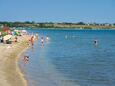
(70, 58)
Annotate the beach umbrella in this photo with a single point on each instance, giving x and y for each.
(7, 37)
(24, 31)
(16, 30)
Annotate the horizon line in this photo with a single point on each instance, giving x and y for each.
(60, 22)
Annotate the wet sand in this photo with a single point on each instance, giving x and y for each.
(10, 74)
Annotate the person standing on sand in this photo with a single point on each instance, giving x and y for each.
(15, 40)
(0, 39)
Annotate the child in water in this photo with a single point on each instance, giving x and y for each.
(26, 59)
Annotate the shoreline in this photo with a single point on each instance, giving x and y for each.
(10, 72)
(19, 67)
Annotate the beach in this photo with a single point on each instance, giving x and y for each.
(10, 74)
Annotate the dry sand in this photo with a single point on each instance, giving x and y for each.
(10, 74)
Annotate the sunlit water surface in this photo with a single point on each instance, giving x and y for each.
(70, 58)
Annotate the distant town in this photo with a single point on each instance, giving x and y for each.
(78, 25)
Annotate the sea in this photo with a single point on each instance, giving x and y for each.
(71, 58)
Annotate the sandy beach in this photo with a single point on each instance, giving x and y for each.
(10, 74)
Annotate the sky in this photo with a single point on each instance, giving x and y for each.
(88, 11)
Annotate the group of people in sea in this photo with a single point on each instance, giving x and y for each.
(43, 40)
(31, 43)
(36, 37)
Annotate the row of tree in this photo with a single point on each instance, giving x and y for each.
(46, 24)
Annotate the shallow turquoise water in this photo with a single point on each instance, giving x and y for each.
(72, 61)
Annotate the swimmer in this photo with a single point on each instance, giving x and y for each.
(95, 42)
(47, 38)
